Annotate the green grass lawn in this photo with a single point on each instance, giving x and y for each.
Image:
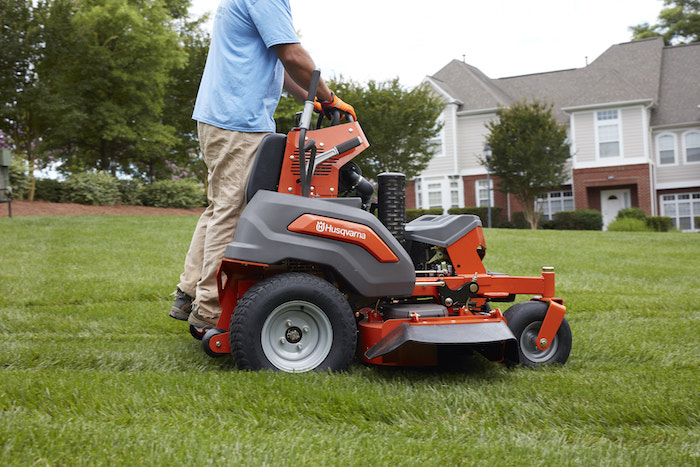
(94, 372)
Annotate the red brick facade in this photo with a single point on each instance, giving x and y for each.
(410, 194)
(588, 184)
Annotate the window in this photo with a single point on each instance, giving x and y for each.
(608, 133)
(437, 142)
(482, 192)
(666, 145)
(554, 202)
(692, 146)
(454, 192)
(434, 195)
(682, 208)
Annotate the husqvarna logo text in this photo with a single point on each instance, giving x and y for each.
(322, 226)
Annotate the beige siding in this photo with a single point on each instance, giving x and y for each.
(584, 134)
(632, 132)
(470, 144)
(444, 164)
(680, 172)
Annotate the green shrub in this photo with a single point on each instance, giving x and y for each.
(628, 224)
(547, 225)
(19, 179)
(130, 192)
(589, 219)
(565, 220)
(581, 219)
(660, 223)
(519, 220)
(633, 213)
(173, 194)
(507, 225)
(482, 212)
(697, 222)
(95, 188)
(412, 214)
(49, 190)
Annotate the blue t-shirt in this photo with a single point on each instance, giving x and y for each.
(243, 77)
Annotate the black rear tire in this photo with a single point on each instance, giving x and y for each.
(525, 320)
(293, 322)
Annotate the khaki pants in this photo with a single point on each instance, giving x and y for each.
(229, 158)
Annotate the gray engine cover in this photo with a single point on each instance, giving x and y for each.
(262, 237)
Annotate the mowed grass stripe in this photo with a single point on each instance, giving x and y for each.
(94, 372)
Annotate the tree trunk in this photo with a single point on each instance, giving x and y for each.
(31, 162)
(532, 215)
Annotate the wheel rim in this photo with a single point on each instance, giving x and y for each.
(528, 344)
(297, 336)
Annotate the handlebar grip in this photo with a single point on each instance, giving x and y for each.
(348, 145)
(313, 86)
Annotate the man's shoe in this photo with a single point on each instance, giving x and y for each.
(182, 307)
(201, 322)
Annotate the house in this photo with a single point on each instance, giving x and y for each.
(633, 118)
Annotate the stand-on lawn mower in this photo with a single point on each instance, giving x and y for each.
(311, 278)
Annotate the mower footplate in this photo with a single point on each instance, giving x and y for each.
(461, 333)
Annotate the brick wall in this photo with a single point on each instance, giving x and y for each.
(410, 194)
(588, 184)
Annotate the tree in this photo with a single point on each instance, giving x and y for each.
(181, 93)
(399, 124)
(108, 73)
(21, 107)
(530, 151)
(679, 23)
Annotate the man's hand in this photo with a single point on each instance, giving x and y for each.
(335, 103)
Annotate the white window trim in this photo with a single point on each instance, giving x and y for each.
(684, 147)
(476, 192)
(675, 149)
(547, 201)
(441, 137)
(597, 124)
(445, 191)
(676, 201)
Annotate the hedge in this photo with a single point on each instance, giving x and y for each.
(412, 214)
(482, 212)
(628, 224)
(581, 219)
(19, 180)
(660, 223)
(633, 213)
(173, 194)
(49, 190)
(95, 188)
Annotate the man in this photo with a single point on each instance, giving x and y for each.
(254, 52)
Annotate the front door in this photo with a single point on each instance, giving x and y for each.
(611, 202)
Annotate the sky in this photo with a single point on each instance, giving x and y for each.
(384, 39)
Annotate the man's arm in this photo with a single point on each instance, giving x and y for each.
(299, 66)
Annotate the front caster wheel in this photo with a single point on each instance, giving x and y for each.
(293, 322)
(196, 333)
(525, 320)
(207, 344)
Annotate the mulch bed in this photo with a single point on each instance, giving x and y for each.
(42, 208)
